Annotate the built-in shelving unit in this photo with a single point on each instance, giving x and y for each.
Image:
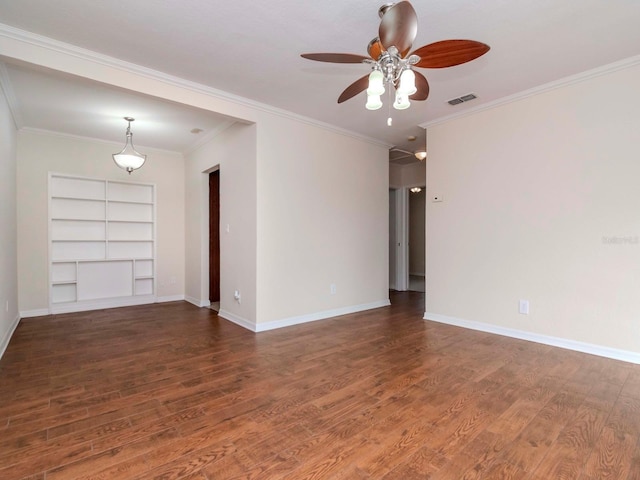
(102, 243)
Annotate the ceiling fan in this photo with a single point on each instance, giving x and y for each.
(391, 62)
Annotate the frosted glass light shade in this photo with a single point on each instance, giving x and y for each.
(408, 82)
(373, 102)
(129, 158)
(376, 83)
(129, 162)
(402, 101)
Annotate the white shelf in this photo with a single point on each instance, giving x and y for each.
(131, 221)
(130, 202)
(102, 200)
(102, 239)
(83, 240)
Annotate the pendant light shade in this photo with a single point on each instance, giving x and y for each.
(129, 158)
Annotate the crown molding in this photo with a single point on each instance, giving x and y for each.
(547, 87)
(117, 145)
(47, 43)
(7, 87)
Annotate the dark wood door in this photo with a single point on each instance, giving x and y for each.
(214, 236)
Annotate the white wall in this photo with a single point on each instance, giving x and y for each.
(414, 174)
(298, 223)
(410, 175)
(541, 202)
(8, 245)
(234, 152)
(322, 220)
(40, 153)
(395, 175)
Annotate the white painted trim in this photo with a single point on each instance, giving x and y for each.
(101, 304)
(115, 144)
(563, 82)
(41, 312)
(196, 302)
(170, 298)
(249, 325)
(111, 62)
(312, 317)
(7, 337)
(599, 350)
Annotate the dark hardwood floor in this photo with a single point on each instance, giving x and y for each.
(171, 391)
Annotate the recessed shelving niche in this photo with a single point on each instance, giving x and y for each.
(101, 243)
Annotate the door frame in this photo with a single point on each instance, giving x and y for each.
(401, 229)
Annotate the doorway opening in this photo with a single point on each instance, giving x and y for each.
(417, 246)
(214, 240)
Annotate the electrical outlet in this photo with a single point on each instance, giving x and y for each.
(236, 296)
(523, 307)
(333, 289)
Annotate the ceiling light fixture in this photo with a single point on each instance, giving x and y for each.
(420, 154)
(129, 158)
(395, 72)
(416, 190)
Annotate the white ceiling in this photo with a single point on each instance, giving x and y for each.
(252, 49)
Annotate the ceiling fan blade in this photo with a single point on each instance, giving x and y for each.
(448, 53)
(355, 88)
(422, 87)
(335, 57)
(398, 27)
(375, 48)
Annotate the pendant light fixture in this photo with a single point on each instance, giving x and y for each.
(129, 158)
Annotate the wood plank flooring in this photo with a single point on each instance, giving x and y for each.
(172, 391)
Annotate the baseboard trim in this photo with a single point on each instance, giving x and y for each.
(196, 302)
(243, 322)
(291, 321)
(599, 350)
(313, 317)
(7, 336)
(102, 304)
(41, 312)
(169, 298)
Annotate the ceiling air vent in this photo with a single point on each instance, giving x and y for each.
(462, 99)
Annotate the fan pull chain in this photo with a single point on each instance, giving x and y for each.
(389, 119)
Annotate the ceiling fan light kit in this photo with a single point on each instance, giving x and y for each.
(392, 64)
